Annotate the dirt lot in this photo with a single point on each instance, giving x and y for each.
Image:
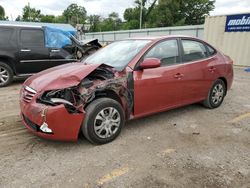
(186, 147)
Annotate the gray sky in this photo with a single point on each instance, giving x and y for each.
(103, 7)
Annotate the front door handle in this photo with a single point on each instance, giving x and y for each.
(178, 75)
(25, 50)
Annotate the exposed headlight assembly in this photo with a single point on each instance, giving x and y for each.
(69, 97)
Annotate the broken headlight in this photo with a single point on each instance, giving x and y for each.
(69, 97)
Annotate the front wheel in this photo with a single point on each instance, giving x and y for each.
(216, 95)
(104, 121)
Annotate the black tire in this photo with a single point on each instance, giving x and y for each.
(92, 111)
(213, 100)
(7, 72)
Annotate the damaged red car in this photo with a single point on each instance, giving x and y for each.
(125, 80)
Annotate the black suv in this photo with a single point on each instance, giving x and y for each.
(23, 51)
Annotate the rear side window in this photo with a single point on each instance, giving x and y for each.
(193, 50)
(32, 38)
(166, 51)
(5, 35)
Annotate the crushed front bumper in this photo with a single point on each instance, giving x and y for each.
(64, 126)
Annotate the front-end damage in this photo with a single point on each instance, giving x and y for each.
(102, 82)
(53, 110)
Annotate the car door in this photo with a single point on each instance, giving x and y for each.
(33, 55)
(158, 89)
(198, 70)
(61, 48)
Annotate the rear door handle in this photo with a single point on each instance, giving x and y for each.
(55, 50)
(211, 69)
(25, 50)
(178, 75)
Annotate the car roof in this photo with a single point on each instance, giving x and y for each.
(35, 24)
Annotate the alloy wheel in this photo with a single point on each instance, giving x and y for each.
(217, 93)
(4, 75)
(107, 122)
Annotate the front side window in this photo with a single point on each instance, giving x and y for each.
(32, 38)
(166, 51)
(193, 50)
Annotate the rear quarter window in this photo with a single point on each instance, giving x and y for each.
(211, 50)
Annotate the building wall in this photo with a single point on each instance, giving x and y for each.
(107, 37)
(234, 44)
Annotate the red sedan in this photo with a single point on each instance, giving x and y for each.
(125, 80)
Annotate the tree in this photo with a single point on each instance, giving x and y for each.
(19, 18)
(75, 14)
(47, 18)
(2, 14)
(132, 15)
(60, 19)
(31, 14)
(113, 22)
(167, 13)
(94, 21)
(195, 11)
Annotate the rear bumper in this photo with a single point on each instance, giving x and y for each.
(65, 126)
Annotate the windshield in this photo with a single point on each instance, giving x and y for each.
(117, 54)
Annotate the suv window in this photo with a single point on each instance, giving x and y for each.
(32, 38)
(193, 50)
(166, 51)
(5, 35)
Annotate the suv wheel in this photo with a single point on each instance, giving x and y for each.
(104, 121)
(6, 75)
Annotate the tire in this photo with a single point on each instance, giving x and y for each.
(215, 95)
(6, 74)
(97, 127)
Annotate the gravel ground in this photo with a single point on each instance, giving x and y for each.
(187, 147)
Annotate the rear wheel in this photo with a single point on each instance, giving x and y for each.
(104, 121)
(216, 95)
(6, 75)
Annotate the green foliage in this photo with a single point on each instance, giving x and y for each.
(195, 11)
(75, 14)
(168, 13)
(112, 23)
(60, 19)
(47, 18)
(2, 14)
(31, 14)
(34, 15)
(155, 13)
(94, 21)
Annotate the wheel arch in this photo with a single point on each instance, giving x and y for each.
(108, 93)
(8, 61)
(225, 82)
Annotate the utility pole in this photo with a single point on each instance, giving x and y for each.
(141, 15)
(29, 10)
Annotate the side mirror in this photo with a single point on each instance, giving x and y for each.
(149, 63)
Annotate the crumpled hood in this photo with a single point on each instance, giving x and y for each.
(60, 77)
